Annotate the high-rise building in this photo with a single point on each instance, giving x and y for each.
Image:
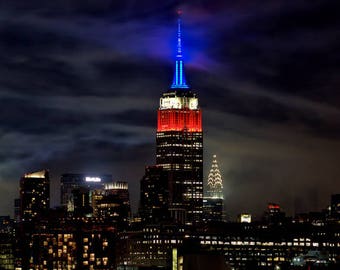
(179, 142)
(34, 195)
(215, 183)
(154, 195)
(81, 204)
(213, 202)
(71, 184)
(7, 246)
(113, 203)
(274, 215)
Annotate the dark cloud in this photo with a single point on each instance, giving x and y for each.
(80, 84)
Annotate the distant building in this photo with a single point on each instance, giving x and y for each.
(243, 245)
(335, 206)
(81, 204)
(71, 182)
(198, 260)
(212, 209)
(17, 207)
(244, 218)
(6, 225)
(34, 195)
(215, 182)
(213, 202)
(313, 258)
(154, 195)
(80, 243)
(274, 215)
(113, 204)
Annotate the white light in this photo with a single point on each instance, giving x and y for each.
(178, 103)
(171, 103)
(193, 103)
(245, 218)
(93, 179)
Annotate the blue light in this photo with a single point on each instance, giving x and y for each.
(179, 77)
(181, 72)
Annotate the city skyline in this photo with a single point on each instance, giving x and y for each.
(266, 80)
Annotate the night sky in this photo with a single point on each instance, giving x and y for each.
(80, 83)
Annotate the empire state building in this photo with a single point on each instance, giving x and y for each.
(179, 140)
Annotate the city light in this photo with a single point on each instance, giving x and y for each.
(92, 179)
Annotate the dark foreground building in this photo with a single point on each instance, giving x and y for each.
(243, 246)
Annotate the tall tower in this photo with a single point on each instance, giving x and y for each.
(179, 142)
(213, 203)
(215, 184)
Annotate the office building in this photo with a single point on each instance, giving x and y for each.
(212, 209)
(17, 209)
(213, 201)
(80, 243)
(215, 182)
(71, 184)
(179, 144)
(274, 215)
(34, 195)
(81, 205)
(154, 195)
(7, 246)
(113, 204)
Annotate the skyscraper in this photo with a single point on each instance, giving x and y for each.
(71, 184)
(34, 195)
(179, 142)
(154, 195)
(113, 203)
(213, 203)
(215, 183)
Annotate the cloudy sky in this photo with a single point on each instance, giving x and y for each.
(80, 83)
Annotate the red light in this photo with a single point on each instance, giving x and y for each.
(179, 119)
(273, 206)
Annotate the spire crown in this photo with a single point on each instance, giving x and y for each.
(179, 77)
(215, 183)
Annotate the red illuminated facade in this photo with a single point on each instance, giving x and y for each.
(179, 119)
(273, 206)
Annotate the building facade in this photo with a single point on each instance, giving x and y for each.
(72, 184)
(113, 204)
(34, 195)
(154, 195)
(214, 199)
(179, 144)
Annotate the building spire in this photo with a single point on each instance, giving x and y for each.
(215, 183)
(179, 77)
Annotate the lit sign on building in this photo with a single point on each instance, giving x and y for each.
(93, 179)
